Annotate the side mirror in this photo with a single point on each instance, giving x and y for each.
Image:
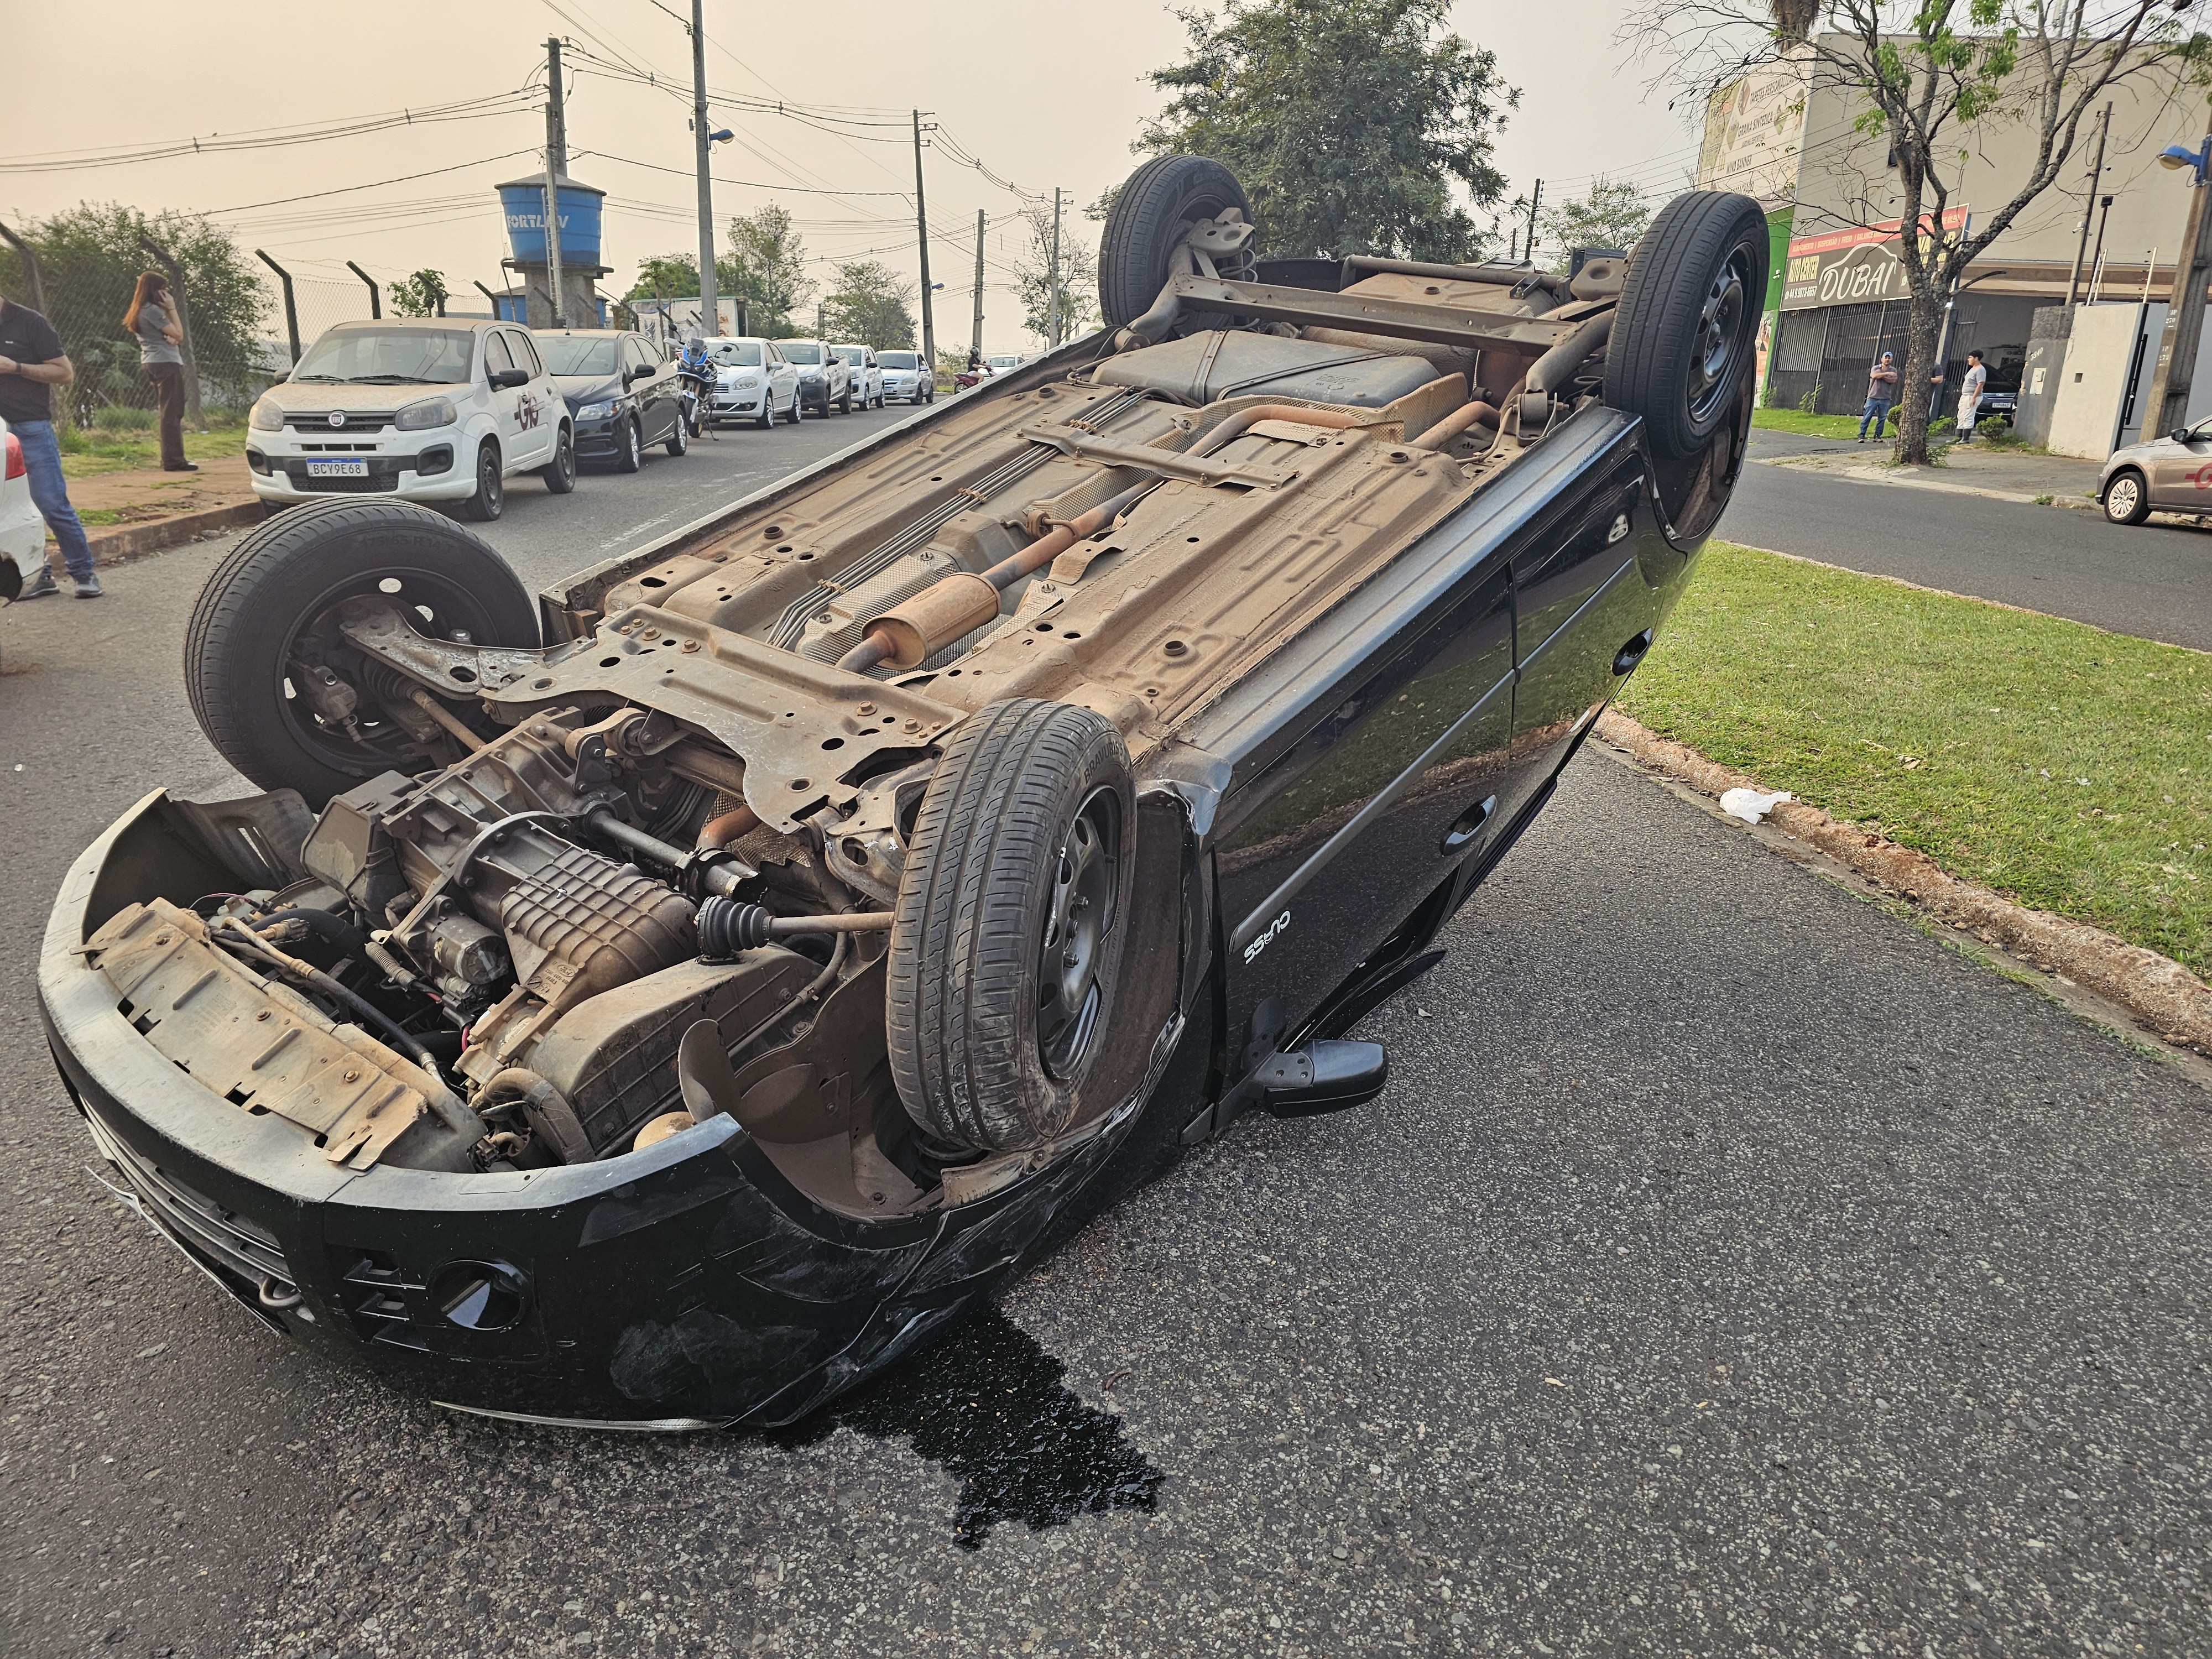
(501, 379)
(2179, 434)
(639, 372)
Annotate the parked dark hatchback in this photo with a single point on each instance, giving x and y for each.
(668, 1003)
(622, 394)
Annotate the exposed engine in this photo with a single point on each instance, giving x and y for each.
(543, 924)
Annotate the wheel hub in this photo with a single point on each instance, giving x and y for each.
(1720, 331)
(1080, 915)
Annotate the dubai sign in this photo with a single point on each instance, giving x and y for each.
(1857, 265)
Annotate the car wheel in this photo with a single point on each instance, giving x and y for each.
(490, 497)
(845, 403)
(631, 455)
(679, 437)
(794, 412)
(1007, 946)
(2127, 498)
(767, 417)
(1161, 200)
(1685, 333)
(269, 617)
(559, 472)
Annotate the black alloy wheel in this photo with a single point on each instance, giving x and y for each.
(631, 454)
(490, 498)
(559, 472)
(1685, 334)
(1007, 949)
(281, 691)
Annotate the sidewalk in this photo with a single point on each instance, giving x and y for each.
(2000, 475)
(144, 509)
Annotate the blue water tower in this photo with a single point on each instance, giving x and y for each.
(522, 204)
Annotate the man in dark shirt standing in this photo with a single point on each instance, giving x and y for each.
(30, 361)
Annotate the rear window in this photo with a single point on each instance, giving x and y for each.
(799, 354)
(898, 360)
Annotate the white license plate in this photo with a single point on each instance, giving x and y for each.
(337, 469)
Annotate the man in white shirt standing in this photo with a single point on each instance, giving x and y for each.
(1970, 396)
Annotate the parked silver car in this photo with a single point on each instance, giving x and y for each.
(867, 374)
(824, 382)
(2172, 474)
(905, 375)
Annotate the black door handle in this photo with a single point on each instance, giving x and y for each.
(1626, 659)
(1470, 825)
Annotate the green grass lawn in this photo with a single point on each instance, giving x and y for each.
(88, 451)
(1813, 426)
(2063, 767)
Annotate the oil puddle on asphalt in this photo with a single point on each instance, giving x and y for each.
(986, 1402)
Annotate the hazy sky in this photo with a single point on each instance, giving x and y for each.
(1043, 94)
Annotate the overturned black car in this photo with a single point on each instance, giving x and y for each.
(669, 1002)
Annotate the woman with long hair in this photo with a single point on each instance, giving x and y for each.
(153, 319)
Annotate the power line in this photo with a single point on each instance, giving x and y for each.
(376, 183)
(504, 103)
(747, 184)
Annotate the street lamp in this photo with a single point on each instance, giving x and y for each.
(2178, 156)
(2168, 405)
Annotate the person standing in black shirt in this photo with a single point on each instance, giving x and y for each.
(32, 362)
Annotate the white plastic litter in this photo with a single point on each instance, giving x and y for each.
(1749, 805)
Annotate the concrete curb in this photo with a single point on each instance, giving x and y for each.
(1871, 475)
(2161, 995)
(129, 541)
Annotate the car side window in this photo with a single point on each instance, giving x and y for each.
(633, 348)
(526, 354)
(2201, 432)
(497, 358)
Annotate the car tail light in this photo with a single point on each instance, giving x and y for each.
(14, 456)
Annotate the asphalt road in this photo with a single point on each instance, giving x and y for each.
(2152, 581)
(1753, 1274)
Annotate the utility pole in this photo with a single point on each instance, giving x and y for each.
(556, 165)
(1054, 336)
(710, 311)
(976, 331)
(1536, 200)
(2167, 406)
(2096, 172)
(921, 229)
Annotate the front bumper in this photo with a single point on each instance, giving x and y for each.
(595, 441)
(685, 1284)
(735, 405)
(417, 467)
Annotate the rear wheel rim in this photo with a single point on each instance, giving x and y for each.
(1718, 340)
(1081, 913)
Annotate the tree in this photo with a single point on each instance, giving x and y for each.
(871, 305)
(1348, 122)
(669, 276)
(89, 258)
(768, 269)
(1613, 215)
(1931, 86)
(1078, 276)
(422, 295)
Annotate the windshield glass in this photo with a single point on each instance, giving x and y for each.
(799, 354)
(395, 356)
(896, 359)
(848, 354)
(736, 353)
(567, 355)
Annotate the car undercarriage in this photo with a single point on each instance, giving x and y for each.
(669, 1007)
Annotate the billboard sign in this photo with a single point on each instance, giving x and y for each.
(1755, 133)
(1858, 264)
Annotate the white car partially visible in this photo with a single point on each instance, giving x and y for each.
(22, 531)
